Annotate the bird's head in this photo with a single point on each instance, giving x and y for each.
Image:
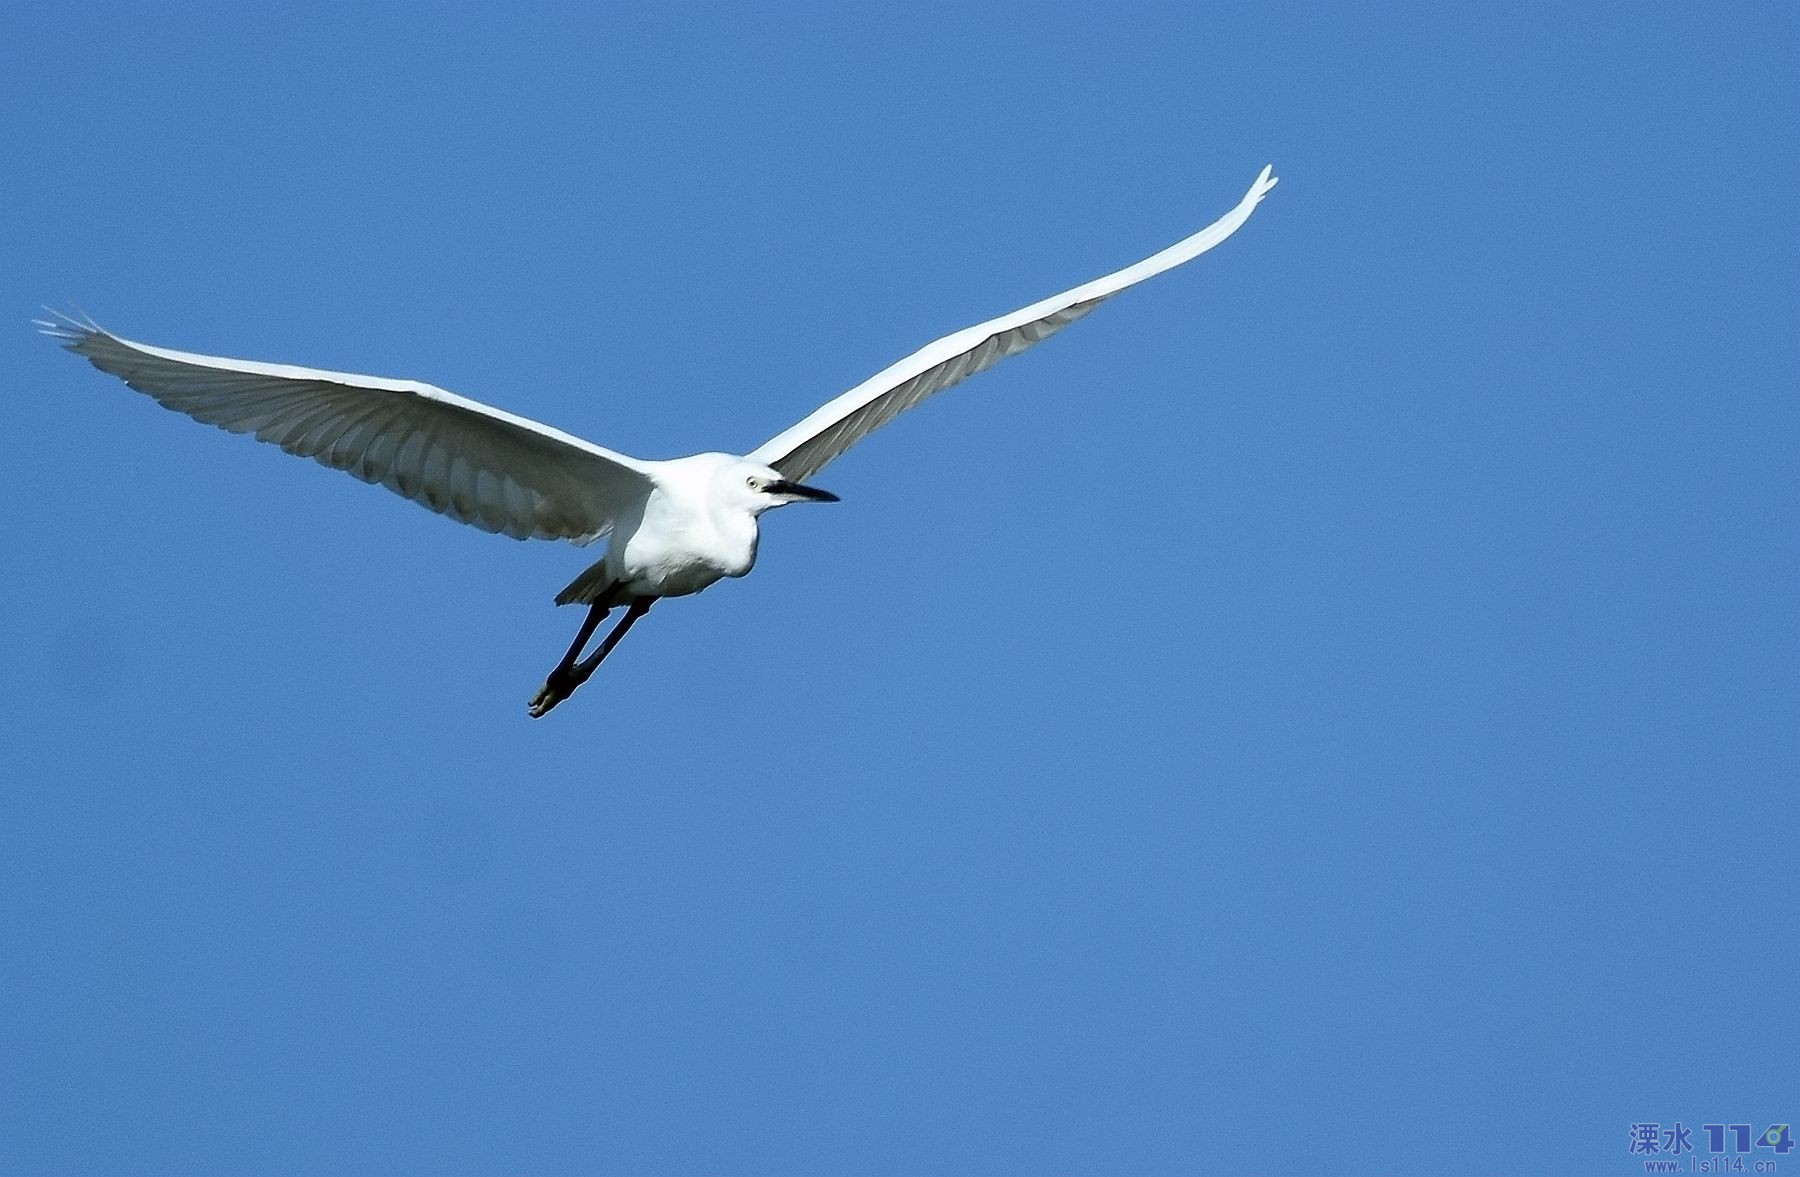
(758, 488)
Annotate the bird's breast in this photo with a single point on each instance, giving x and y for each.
(676, 552)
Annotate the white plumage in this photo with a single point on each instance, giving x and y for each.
(675, 526)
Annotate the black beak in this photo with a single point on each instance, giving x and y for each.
(784, 487)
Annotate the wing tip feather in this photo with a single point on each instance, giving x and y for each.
(71, 330)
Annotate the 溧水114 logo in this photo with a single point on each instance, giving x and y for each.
(1716, 1140)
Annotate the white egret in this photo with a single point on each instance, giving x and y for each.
(675, 526)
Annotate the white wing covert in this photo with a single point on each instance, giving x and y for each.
(804, 449)
(476, 464)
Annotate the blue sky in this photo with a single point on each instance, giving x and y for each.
(1331, 711)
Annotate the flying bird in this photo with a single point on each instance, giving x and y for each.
(674, 527)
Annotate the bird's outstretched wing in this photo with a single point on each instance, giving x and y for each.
(804, 449)
(473, 463)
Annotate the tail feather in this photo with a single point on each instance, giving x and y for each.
(591, 586)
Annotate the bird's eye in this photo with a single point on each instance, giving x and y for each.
(752, 483)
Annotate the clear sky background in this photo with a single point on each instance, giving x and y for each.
(1333, 710)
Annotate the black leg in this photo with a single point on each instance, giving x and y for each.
(569, 673)
(560, 685)
(638, 607)
(596, 611)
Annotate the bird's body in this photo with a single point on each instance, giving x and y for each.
(688, 535)
(675, 527)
